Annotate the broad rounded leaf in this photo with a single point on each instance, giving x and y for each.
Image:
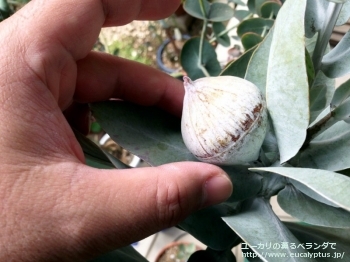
(220, 12)
(194, 9)
(342, 112)
(241, 14)
(332, 186)
(337, 62)
(238, 67)
(148, 132)
(311, 211)
(287, 84)
(270, 9)
(254, 25)
(250, 40)
(218, 28)
(190, 59)
(257, 224)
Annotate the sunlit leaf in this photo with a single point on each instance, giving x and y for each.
(257, 67)
(257, 224)
(337, 62)
(332, 186)
(344, 14)
(287, 84)
(190, 59)
(311, 211)
(148, 132)
(238, 67)
(254, 25)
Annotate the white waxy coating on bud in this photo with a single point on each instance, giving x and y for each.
(224, 120)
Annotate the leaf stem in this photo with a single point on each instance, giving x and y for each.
(213, 39)
(325, 33)
(201, 43)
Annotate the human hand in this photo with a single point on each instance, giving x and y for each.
(55, 208)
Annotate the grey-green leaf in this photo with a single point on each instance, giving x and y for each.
(257, 67)
(287, 83)
(344, 14)
(337, 62)
(311, 211)
(257, 224)
(315, 16)
(330, 150)
(239, 66)
(190, 59)
(194, 8)
(341, 94)
(332, 186)
(148, 132)
(223, 39)
(220, 12)
(254, 25)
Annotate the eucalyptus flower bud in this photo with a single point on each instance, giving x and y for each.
(224, 120)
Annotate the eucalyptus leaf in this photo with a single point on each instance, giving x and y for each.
(330, 150)
(342, 112)
(124, 254)
(193, 7)
(238, 67)
(219, 236)
(321, 93)
(338, 1)
(257, 67)
(246, 183)
(220, 12)
(218, 28)
(311, 211)
(269, 9)
(344, 14)
(334, 242)
(337, 62)
(271, 185)
(310, 193)
(332, 186)
(148, 132)
(315, 16)
(190, 59)
(287, 84)
(242, 14)
(250, 40)
(254, 25)
(340, 94)
(257, 224)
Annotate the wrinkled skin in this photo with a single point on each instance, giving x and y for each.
(53, 206)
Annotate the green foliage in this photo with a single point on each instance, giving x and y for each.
(305, 158)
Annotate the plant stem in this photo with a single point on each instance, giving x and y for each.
(325, 33)
(201, 43)
(222, 33)
(321, 126)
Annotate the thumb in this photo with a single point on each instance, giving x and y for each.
(128, 205)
